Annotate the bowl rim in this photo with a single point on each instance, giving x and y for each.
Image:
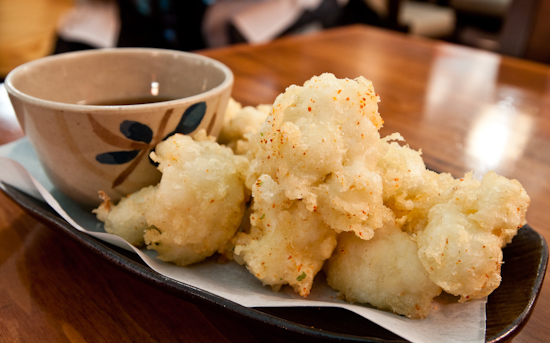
(85, 108)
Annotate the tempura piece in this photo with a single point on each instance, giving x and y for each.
(500, 206)
(321, 144)
(200, 199)
(317, 150)
(410, 190)
(239, 121)
(287, 244)
(461, 247)
(350, 199)
(127, 219)
(384, 272)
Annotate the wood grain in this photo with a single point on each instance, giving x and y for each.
(468, 110)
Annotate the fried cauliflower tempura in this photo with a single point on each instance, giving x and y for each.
(409, 189)
(384, 272)
(319, 158)
(317, 150)
(126, 219)
(461, 247)
(287, 244)
(321, 144)
(200, 199)
(195, 209)
(238, 122)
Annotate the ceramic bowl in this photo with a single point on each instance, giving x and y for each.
(94, 116)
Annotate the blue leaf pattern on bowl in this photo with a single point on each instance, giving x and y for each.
(191, 119)
(117, 157)
(136, 131)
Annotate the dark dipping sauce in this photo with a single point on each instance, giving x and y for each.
(131, 101)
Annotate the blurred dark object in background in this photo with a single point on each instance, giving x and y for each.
(358, 11)
(526, 30)
(168, 24)
(63, 45)
(480, 22)
(517, 28)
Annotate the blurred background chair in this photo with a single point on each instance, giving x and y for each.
(526, 30)
(418, 17)
(517, 28)
(480, 22)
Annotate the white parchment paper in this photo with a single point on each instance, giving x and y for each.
(448, 321)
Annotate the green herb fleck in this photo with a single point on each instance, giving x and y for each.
(301, 277)
(262, 217)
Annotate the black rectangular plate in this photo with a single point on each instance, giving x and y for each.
(508, 307)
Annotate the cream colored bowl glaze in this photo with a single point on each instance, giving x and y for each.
(87, 148)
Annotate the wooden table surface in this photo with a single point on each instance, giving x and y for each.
(467, 109)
